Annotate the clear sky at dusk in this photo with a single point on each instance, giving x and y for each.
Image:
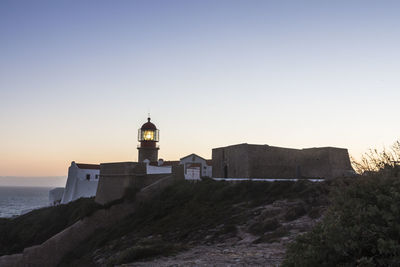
(77, 78)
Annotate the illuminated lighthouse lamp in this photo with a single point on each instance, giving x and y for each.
(148, 135)
(148, 132)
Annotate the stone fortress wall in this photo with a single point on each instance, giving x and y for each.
(117, 178)
(263, 161)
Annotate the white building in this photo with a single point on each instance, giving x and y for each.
(196, 167)
(82, 181)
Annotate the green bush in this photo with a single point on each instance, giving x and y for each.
(361, 228)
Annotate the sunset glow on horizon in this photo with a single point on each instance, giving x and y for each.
(78, 78)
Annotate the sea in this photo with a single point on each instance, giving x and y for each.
(17, 200)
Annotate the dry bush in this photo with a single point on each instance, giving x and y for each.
(376, 162)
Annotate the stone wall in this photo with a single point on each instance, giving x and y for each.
(263, 161)
(272, 162)
(327, 162)
(116, 178)
(150, 153)
(230, 161)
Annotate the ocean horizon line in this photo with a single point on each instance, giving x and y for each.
(33, 181)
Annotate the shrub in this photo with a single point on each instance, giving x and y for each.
(274, 236)
(259, 228)
(295, 212)
(315, 212)
(362, 227)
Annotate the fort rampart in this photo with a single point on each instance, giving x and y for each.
(263, 161)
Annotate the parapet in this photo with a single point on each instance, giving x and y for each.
(116, 178)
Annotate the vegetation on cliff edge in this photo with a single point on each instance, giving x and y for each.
(39, 225)
(360, 228)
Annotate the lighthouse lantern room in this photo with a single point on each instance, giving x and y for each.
(148, 136)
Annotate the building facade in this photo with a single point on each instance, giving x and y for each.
(196, 167)
(263, 161)
(82, 181)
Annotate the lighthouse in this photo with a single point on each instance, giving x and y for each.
(148, 136)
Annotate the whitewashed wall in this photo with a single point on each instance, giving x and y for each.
(158, 169)
(205, 170)
(78, 186)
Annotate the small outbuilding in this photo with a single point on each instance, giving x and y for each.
(196, 167)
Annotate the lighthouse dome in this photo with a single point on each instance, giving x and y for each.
(148, 125)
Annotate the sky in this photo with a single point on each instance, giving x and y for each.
(78, 78)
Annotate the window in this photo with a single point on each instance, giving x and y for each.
(88, 176)
(97, 176)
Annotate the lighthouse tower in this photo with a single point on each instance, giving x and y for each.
(148, 136)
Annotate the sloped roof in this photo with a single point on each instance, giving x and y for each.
(208, 161)
(191, 155)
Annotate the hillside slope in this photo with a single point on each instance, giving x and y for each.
(197, 217)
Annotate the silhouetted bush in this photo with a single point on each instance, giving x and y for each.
(380, 163)
(361, 228)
